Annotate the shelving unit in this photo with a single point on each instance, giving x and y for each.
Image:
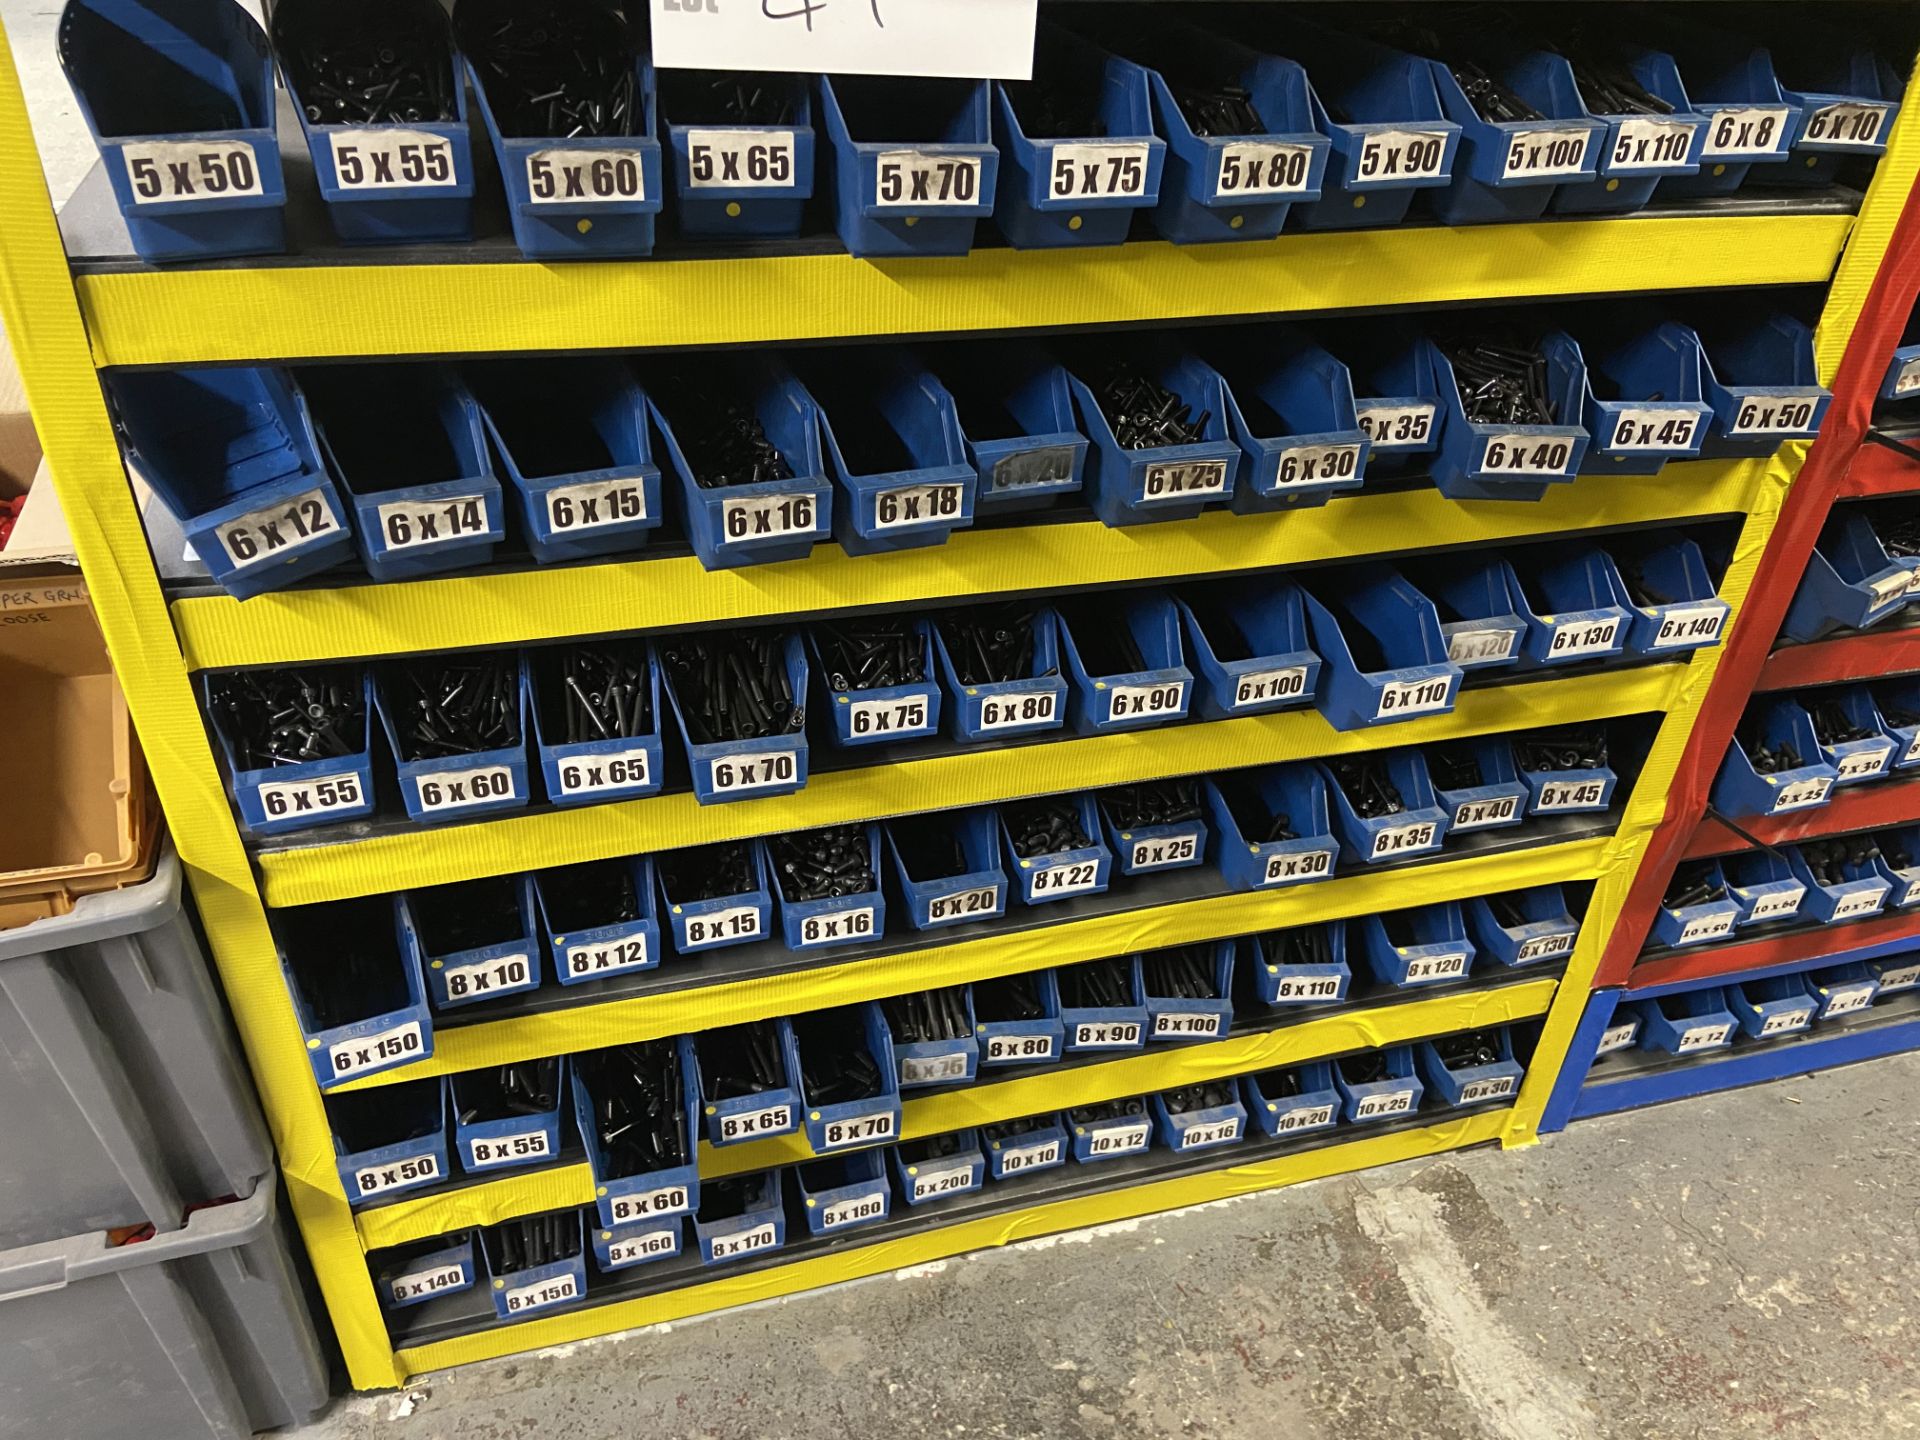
(69, 321)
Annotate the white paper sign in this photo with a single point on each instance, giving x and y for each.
(968, 39)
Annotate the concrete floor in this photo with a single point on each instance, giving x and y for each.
(1726, 1267)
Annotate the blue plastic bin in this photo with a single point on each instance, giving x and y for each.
(1739, 789)
(1574, 602)
(1144, 849)
(1083, 870)
(233, 455)
(1573, 790)
(1898, 702)
(1110, 1137)
(416, 1111)
(728, 770)
(1894, 974)
(1897, 846)
(940, 1062)
(1161, 482)
(423, 1275)
(1007, 1041)
(1267, 620)
(399, 1036)
(1853, 761)
(601, 946)
(1499, 800)
(484, 972)
(1290, 407)
(1106, 1027)
(732, 1119)
(1480, 618)
(1172, 1018)
(1396, 394)
(1039, 1143)
(1622, 1034)
(630, 1245)
(503, 1142)
(1618, 374)
(1435, 949)
(731, 178)
(1688, 1023)
(652, 1194)
(1510, 170)
(1418, 828)
(1843, 989)
(1293, 1101)
(1187, 1131)
(1638, 152)
(1546, 929)
(1775, 1005)
(1015, 403)
(1689, 615)
(1750, 121)
(908, 187)
(1397, 1092)
(278, 798)
(1848, 97)
(1850, 582)
(851, 1123)
(979, 893)
(1699, 924)
(1862, 892)
(589, 772)
(1762, 381)
(756, 1230)
(852, 1192)
(1000, 709)
(453, 787)
(1401, 624)
(724, 919)
(1481, 460)
(1471, 1084)
(1156, 694)
(883, 714)
(1764, 885)
(854, 919)
(938, 1177)
(1277, 981)
(153, 79)
(1249, 861)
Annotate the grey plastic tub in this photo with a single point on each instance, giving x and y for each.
(199, 1332)
(122, 1095)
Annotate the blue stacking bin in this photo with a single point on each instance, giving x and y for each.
(1398, 622)
(1764, 886)
(393, 183)
(1903, 370)
(1509, 170)
(280, 798)
(1499, 800)
(1173, 1018)
(406, 445)
(1691, 616)
(1040, 1143)
(733, 1119)
(1546, 929)
(731, 178)
(727, 770)
(1083, 870)
(1186, 1131)
(879, 714)
(1862, 891)
(1292, 1101)
(1290, 407)
(1688, 1023)
(1025, 1041)
(890, 394)
(483, 972)
(851, 1192)
(1853, 761)
(1397, 1092)
(1637, 152)
(1575, 604)
(1897, 846)
(1161, 482)
(904, 187)
(1268, 621)
(1480, 618)
(399, 1036)
(1396, 394)
(1850, 582)
(1843, 989)
(937, 1177)
(980, 893)
(1622, 1034)
(578, 197)
(1076, 190)
(1110, 1137)
(1419, 828)
(756, 1230)
(421, 1275)
(1498, 1079)
(1106, 1027)
(504, 1142)
(1015, 403)
(1128, 700)
(840, 920)
(1000, 709)
(1894, 974)
(1760, 377)
(588, 772)
(1775, 1005)
(1898, 702)
(1739, 789)
(1630, 432)
(179, 97)
(853, 1123)
(630, 1245)
(1436, 950)
(1570, 790)
(455, 787)
(538, 1289)
(234, 456)
(725, 919)
(601, 946)
(1750, 120)
(1479, 460)
(1252, 862)
(1710, 920)
(573, 439)
(767, 520)
(1144, 849)
(1847, 95)
(941, 1062)
(1277, 982)
(417, 1112)
(652, 1194)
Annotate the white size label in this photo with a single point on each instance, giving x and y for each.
(1168, 850)
(1027, 469)
(870, 1206)
(634, 1248)
(932, 1069)
(739, 922)
(160, 172)
(1393, 1102)
(457, 789)
(1745, 130)
(1497, 1088)
(1106, 1034)
(352, 1057)
(1305, 1117)
(1030, 1157)
(1181, 480)
(1861, 763)
(1317, 465)
(500, 975)
(1262, 687)
(1778, 904)
(1848, 124)
(837, 927)
(399, 1175)
(1545, 154)
(1527, 455)
(1139, 702)
(1438, 967)
(1406, 839)
(585, 177)
(1476, 814)
(1096, 172)
(1188, 1026)
(1904, 978)
(740, 159)
(1399, 155)
(1071, 879)
(1704, 1037)
(767, 517)
(928, 1184)
(1009, 712)
(1414, 697)
(982, 902)
(1801, 793)
(910, 180)
(1111, 1140)
(1891, 587)
(1861, 902)
(281, 798)
(1574, 638)
(591, 774)
(1690, 625)
(1653, 431)
(1213, 1132)
(1783, 1021)
(1845, 1002)
(1775, 415)
(745, 1242)
(594, 503)
(278, 530)
(1467, 647)
(1618, 1037)
(753, 772)
(1306, 987)
(1648, 144)
(912, 506)
(412, 524)
(1705, 927)
(905, 716)
(1571, 795)
(749, 1124)
(1907, 379)
(860, 1130)
(1395, 427)
(1541, 947)
(1019, 1047)
(389, 159)
(1297, 865)
(510, 1149)
(644, 1204)
(423, 1283)
(1912, 752)
(1261, 167)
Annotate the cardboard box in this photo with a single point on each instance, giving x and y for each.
(19, 443)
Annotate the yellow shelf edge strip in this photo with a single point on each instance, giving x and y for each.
(1043, 1089)
(276, 312)
(299, 626)
(432, 855)
(857, 1261)
(1220, 917)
